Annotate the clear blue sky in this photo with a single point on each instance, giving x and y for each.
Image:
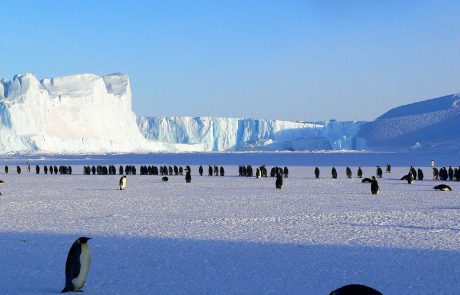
(296, 60)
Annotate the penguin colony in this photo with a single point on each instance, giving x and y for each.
(443, 174)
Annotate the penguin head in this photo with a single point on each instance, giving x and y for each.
(373, 177)
(83, 240)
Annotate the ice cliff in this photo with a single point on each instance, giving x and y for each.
(233, 134)
(72, 114)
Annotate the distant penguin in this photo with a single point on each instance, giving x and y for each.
(414, 172)
(123, 182)
(37, 169)
(334, 172)
(188, 177)
(6, 169)
(420, 174)
(77, 265)
(164, 178)
(379, 172)
(360, 172)
(210, 171)
(443, 187)
(316, 172)
(45, 169)
(349, 173)
(451, 173)
(279, 181)
(366, 180)
(18, 169)
(286, 172)
(222, 171)
(374, 186)
(200, 170)
(355, 289)
(388, 169)
(257, 173)
(410, 177)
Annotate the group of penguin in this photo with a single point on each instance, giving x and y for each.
(441, 174)
(79, 260)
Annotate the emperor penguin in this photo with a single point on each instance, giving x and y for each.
(355, 289)
(188, 177)
(443, 187)
(374, 186)
(279, 181)
(77, 265)
(123, 182)
(349, 173)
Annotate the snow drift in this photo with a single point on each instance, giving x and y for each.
(234, 134)
(425, 125)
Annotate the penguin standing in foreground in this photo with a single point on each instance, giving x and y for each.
(77, 265)
(279, 181)
(374, 186)
(123, 182)
(355, 289)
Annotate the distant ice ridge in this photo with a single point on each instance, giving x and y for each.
(426, 125)
(234, 134)
(72, 114)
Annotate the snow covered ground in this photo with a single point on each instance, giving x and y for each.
(230, 235)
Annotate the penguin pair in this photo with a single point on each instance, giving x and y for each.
(77, 265)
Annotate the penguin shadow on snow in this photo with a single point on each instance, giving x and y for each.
(135, 265)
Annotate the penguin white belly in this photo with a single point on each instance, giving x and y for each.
(85, 261)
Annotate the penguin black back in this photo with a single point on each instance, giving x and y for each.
(360, 172)
(317, 172)
(355, 289)
(188, 177)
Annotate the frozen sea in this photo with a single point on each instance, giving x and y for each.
(232, 235)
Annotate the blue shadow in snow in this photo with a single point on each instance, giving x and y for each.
(33, 263)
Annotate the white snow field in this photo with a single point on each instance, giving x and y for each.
(230, 235)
